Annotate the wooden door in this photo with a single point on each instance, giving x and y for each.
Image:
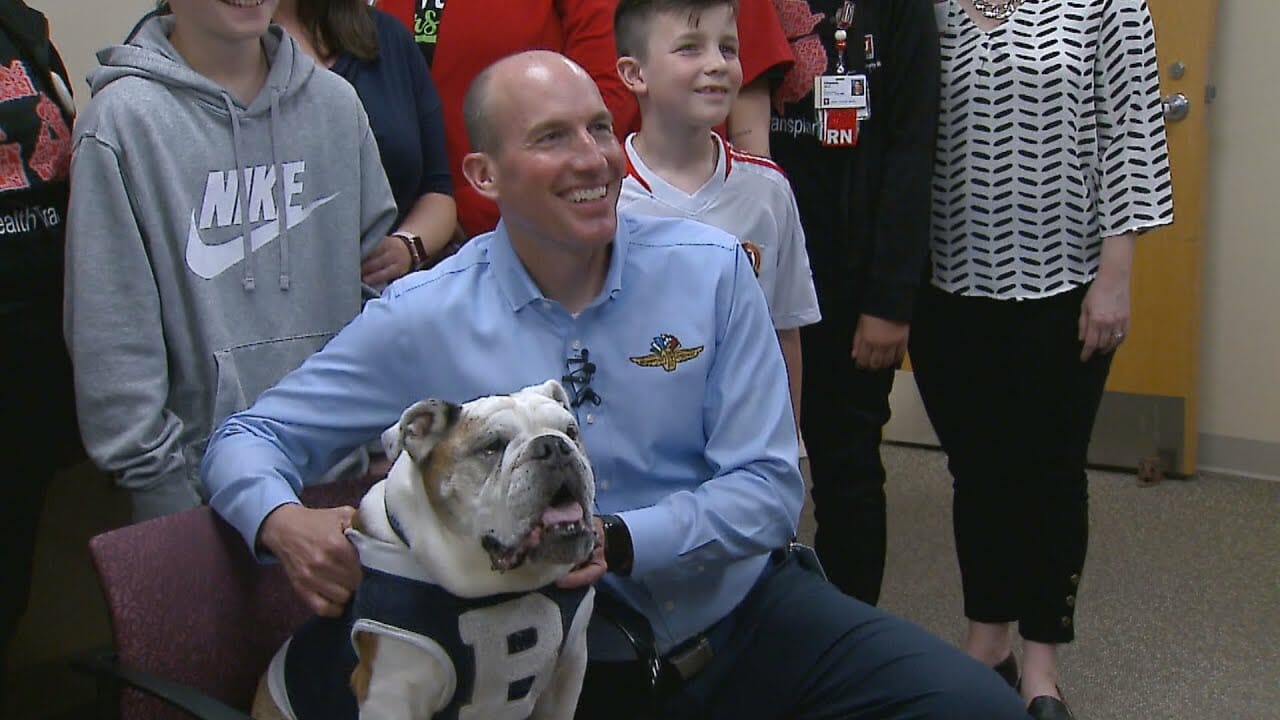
(1151, 409)
(1149, 415)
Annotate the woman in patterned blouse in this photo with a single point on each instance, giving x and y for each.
(1051, 159)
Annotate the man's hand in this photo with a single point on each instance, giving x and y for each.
(879, 343)
(388, 261)
(593, 568)
(321, 563)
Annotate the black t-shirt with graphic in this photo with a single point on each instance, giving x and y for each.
(35, 158)
(426, 26)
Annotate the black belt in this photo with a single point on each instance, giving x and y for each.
(686, 659)
(694, 654)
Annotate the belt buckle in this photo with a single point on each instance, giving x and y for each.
(691, 661)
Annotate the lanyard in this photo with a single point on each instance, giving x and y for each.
(843, 18)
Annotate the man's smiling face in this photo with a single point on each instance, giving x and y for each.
(557, 168)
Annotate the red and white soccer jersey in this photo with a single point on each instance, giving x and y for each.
(748, 197)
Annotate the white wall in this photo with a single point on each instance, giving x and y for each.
(81, 27)
(1240, 329)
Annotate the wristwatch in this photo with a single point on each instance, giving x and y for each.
(618, 553)
(417, 251)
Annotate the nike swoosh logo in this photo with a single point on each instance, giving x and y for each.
(210, 261)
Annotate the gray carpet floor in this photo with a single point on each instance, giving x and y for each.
(1179, 614)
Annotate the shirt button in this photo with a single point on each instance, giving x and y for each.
(546, 304)
(669, 606)
(577, 344)
(591, 418)
(604, 484)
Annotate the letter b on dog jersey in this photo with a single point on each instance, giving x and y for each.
(516, 644)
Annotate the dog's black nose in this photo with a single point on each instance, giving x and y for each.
(548, 446)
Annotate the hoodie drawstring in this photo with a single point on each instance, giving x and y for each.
(277, 188)
(242, 195)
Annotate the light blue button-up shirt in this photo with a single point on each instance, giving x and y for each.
(693, 443)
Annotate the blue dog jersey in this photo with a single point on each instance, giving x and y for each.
(500, 647)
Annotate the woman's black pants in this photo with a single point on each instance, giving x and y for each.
(1013, 407)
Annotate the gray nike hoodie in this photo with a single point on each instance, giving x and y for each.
(211, 247)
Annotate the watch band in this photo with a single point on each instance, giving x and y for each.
(417, 251)
(618, 552)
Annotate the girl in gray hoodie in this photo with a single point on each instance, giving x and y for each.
(224, 190)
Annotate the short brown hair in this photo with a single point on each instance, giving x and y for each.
(633, 18)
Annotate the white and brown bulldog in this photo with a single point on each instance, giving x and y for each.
(457, 615)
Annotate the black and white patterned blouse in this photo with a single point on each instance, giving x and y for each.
(1050, 138)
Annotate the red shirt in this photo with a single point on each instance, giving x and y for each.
(762, 46)
(475, 33)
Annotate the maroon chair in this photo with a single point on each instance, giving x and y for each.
(194, 616)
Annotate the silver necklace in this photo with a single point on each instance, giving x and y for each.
(996, 11)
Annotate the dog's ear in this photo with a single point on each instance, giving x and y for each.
(554, 390)
(424, 424)
(391, 441)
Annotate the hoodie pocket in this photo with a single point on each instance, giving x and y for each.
(245, 372)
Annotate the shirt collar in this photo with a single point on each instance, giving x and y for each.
(520, 289)
(655, 185)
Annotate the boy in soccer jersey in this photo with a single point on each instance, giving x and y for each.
(680, 58)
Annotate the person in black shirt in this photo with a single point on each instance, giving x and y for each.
(36, 114)
(864, 204)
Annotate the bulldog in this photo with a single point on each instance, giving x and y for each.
(457, 616)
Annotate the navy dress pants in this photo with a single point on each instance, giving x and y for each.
(803, 650)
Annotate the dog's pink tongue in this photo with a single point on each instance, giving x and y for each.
(566, 513)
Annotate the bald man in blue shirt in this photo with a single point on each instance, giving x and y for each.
(664, 340)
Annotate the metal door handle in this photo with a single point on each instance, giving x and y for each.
(1176, 107)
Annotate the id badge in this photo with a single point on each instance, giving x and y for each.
(841, 102)
(841, 92)
(838, 92)
(838, 127)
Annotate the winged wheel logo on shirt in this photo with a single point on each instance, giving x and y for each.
(665, 352)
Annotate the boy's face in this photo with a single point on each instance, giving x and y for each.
(691, 72)
(226, 21)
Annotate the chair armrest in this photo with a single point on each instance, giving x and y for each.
(104, 665)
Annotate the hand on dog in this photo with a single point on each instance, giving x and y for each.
(321, 563)
(594, 567)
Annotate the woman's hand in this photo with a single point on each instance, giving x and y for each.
(1104, 314)
(388, 261)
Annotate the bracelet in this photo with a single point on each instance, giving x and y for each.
(417, 252)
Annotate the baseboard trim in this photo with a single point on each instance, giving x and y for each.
(1239, 456)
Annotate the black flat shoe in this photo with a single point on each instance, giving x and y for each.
(1048, 707)
(1008, 669)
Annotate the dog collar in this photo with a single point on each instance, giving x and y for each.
(395, 525)
(387, 557)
